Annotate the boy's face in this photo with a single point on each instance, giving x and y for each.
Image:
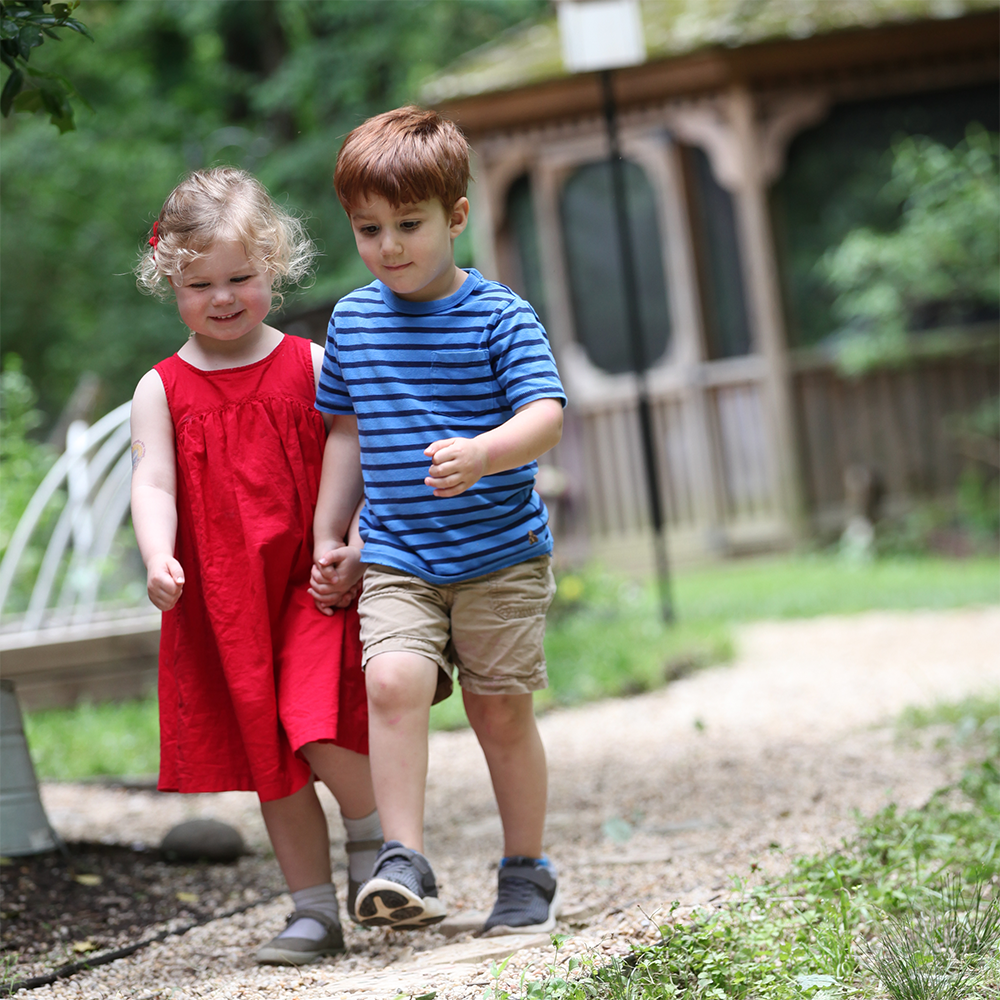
(409, 247)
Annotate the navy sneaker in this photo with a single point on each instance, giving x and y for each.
(527, 898)
(401, 892)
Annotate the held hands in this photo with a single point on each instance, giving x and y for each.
(164, 581)
(335, 579)
(456, 464)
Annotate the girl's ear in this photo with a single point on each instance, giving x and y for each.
(459, 217)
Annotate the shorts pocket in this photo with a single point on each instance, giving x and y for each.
(524, 590)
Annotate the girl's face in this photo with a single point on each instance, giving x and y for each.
(223, 295)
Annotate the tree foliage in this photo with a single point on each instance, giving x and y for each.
(24, 25)
(23, 462)
(269, 85)
(939, 266)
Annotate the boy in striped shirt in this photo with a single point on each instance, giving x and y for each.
(444, 386)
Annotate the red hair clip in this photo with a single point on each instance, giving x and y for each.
(154, 239)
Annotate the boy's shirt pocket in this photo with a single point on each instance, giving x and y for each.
(463, 384)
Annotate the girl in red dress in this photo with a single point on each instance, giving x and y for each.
(258, 689)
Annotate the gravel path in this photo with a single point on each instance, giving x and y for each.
(652, 799)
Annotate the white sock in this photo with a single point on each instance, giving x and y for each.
(360, 863)
(322, 897)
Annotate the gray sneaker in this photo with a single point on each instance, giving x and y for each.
(402, 891)
(300, 951)
(527, 898)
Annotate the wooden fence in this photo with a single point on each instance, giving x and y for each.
(718, 461)
(902, 423)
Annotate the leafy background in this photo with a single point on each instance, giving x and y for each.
(174, 85)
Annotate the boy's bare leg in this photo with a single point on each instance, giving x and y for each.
(297, 827)
(400, 687)
(505, 727)
(527, 888)
(402, 891)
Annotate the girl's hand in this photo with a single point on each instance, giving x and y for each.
(335, 578)
(456, 465)
(164, 581)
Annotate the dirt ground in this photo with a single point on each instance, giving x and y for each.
(658, 798)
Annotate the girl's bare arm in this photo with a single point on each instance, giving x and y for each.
(154, 491)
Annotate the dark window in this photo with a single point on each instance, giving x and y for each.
(524, 260)
(832, 181)
(720, 275)
(590, 236)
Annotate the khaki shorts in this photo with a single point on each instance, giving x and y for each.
(489, 629)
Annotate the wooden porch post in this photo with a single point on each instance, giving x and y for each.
(764, 297)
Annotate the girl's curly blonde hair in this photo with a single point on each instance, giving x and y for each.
(229, 204)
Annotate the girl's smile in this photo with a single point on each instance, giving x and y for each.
(222, 296)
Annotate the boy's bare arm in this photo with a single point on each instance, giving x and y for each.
(459, 463)
(335, 579)
(340, 485)
(154, 491)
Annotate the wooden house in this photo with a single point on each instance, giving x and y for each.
(755, 134)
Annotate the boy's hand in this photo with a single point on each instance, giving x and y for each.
(164, 581)
(335, 578)
(456, 464)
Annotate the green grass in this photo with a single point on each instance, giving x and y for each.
(119, 738)
(823, 584)
(605, 638)
(908, 908)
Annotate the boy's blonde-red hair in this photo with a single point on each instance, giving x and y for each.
(407, 155)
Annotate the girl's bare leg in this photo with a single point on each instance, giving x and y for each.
(297, 827)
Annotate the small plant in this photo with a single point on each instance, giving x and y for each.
(8, 962)
(940, 954)
(496, 991)
(555, 985)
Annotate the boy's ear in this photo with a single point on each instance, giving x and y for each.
(459, 217)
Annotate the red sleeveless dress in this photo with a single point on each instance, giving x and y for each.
(249, 669)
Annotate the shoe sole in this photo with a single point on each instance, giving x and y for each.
(279, 956)
(549, 924)
(382, 903)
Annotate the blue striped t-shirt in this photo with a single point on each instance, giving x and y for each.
(418, 372)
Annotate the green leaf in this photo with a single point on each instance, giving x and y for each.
(28, 100)
(28, 38)
(77, 26)
(10, 90)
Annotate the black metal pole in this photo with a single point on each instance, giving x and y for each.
(637, 348)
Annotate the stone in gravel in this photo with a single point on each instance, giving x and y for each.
(462, 922)
(202, 840)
